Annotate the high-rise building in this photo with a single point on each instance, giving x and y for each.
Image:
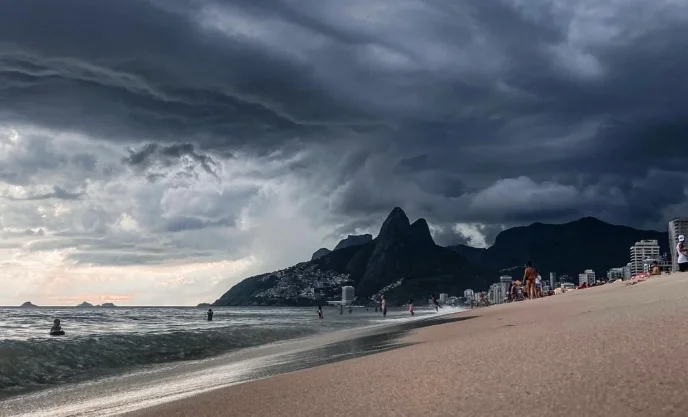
(641, 251)
(505, 281)
(582, 278)
(552, 279)
(678, 226)
(495, 294)
(587, 277)
(444, 297)
(468, 293)
(627, 272)
(347, 295)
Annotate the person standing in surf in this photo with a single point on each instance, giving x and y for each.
(411, 310)
(436, 303)
(383, 306)
(210, 314)
(320, 313)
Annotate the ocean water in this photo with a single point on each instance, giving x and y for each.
(101, 342)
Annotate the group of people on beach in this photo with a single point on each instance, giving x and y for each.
(383, 307)
(530, 288)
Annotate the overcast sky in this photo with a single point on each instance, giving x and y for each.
(156, 152)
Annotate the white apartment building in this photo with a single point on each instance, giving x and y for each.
(678, 226)
(582, 278)
(496, 294)
(444, 297)
(615, 273)
(505, 281)
(642, 250)
(347, 295)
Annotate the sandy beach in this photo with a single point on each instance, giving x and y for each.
(615, 350)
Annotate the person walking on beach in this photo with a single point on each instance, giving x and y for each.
(210, 314)
(682, 254)
(320, 314)
(383, 306)
(411, 308)
(538, 286)
(529, 277)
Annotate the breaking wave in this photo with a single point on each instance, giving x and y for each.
(26, 364)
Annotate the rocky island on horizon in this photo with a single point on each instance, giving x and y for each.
(85, 305)
(28, 304)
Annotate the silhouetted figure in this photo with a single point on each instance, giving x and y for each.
(320, 313)
(56, 330)
(383, 306)
(436, 303)
(210, 314)
(411, 309)
(350, 310)
(341, 309)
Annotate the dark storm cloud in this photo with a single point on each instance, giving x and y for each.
(152, 155)
(459, 110)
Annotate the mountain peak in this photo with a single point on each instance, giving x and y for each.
(420, 233)
(395, 226)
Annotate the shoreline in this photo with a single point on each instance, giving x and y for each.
(159, 384)
(605, 351)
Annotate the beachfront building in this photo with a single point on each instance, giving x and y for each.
(642, 251)
(444, 298)
(552, 279)
(587, 277)
(582, 278)
(505, 281)
(347, 295)
(496, 294)
(468, 294)
(677, 227)
(615, 273)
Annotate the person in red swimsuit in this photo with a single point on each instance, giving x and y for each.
(529, 277)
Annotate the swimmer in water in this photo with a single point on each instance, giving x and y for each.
(210, 314)
(56, 330)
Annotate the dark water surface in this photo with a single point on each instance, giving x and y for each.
(144, 388)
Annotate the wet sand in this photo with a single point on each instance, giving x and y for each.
(615, 350)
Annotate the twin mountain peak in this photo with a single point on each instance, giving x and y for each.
(396, 226)
(403, 262)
